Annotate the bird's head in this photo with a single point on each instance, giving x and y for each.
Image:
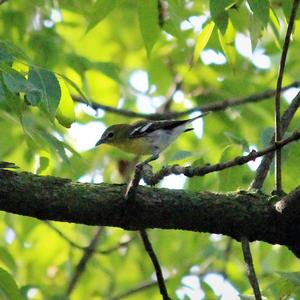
(112, 135)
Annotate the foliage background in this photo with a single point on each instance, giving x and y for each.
(138, 56)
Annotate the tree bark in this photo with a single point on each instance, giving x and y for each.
(236, 214)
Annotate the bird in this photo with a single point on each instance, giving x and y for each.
(145, 137)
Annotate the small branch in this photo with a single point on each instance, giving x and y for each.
(84, 248)
(216, 106)
(84, 260)
(158, 271)
(263, 168)
(227, 253)
(153, 178)
(130, 197)
(278, 177)
(137, 289)
(3, 1)
(250, 268)
(162, 12)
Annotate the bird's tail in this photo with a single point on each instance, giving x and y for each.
(199, 116)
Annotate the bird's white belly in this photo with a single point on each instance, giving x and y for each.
(161, 139)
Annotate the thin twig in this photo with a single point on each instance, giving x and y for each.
(216, 106)
(88, 253)
(250, 268)
(189, 171)
(278, 177)
(158, 271)
(263, 168)
(84, 248)
(130, 197)
(261, 174)
(227, 253)
(141, 287)
(3, 1)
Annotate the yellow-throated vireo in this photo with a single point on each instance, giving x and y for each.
(145, 137)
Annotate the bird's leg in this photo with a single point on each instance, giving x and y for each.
(154, 156)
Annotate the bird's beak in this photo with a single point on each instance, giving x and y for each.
(99, 142)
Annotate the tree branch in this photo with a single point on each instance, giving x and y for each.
(234, 214)
(278, 178)
(264, 166)
(216, 106)
(84, 248)
(155, 262)
(87, 255)
(130, 197)
(189, 171)
(250, 268)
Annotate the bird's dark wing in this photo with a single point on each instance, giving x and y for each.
(143, 128)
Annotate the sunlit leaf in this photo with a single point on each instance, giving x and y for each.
(203, 39)
(72, 84)
(275, 25)
(109, 69)
(227, 43)
(65, 112)
(42, 164)
(100, 10)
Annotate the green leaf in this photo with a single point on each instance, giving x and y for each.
(260, 9)
(100, 10)
(266, 136)
(208, 291)
(256, 28)
(219, 14)
(293, 277)
(194, 184)
(12, 100)
(237, 140)
(203, 39)
(8, 286)
(287, 9)
(8, 259)
(149, 22)
(231, 179)
(65, 112)
(47, 91)
(227, 43)
(14, 81)
(43, 164)
(4, 54)
(75, 87)
(109, 69)
(181, 155)
(275, 26)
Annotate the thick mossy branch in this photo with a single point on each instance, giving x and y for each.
(234, 214)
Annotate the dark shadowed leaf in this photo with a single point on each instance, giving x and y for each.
(49, 90)
(149, 22)
(260, 9)
(8, 286)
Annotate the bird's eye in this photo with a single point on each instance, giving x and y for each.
(110, 135)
